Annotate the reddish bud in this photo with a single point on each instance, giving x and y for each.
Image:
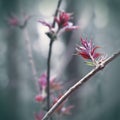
(39, 98)
(43, 81)
(45, 24)
(87, 50)
(39, 116)
(13, 21)
(63, 21)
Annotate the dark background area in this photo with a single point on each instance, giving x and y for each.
(99, 98)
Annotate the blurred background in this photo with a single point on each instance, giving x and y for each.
(97, 99)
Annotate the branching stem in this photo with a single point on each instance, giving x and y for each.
(79, 83)
(49, 58)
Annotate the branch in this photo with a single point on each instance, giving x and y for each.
(49, 58)
(56, 12)
(48, 74)
(79, 83)
(30, 57)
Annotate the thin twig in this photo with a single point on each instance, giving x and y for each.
(48, 74)
(79, 83)
(49, 58)
(56, 12)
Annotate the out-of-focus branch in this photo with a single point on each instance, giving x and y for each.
(30, 56)
(79, 83)
(14, 21)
